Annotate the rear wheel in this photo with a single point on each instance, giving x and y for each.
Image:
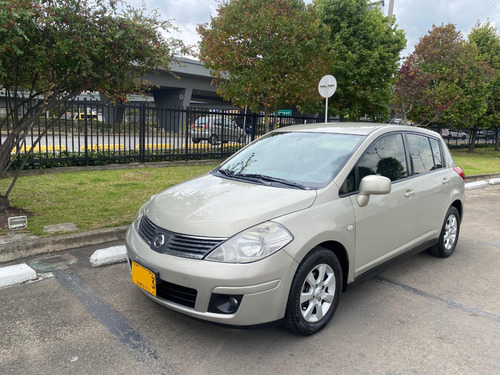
(314, 294)
(196, 140)
(214, 140)
(449, 235)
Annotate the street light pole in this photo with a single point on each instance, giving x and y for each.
(391, 8)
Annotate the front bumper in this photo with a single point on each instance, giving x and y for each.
(263, 285)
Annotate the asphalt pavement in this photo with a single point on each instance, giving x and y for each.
(423, 316)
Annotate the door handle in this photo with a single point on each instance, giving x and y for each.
(409, 193)
(446, 180)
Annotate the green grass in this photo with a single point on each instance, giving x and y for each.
(93, 200)
(110, 198)
(482, 161)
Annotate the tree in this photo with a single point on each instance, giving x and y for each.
(485, 37)
(53, 50)
(266, 54)
(452, 81)
(365, 46)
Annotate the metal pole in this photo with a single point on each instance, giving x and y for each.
(391, 8)
(326, 111)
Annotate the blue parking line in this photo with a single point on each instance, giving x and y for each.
(111, 320)
(450, 303)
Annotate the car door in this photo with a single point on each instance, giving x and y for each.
(433, 183)
(386, 226)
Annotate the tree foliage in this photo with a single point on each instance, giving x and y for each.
(53, 50)
(485, 37)
(267, 54)
(449, 81)
(365, 49)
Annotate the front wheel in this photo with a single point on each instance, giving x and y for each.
(449, 235)
(314, 294)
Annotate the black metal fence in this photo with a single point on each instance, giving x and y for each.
(93, 133)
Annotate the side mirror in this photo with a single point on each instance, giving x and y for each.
(372, 185)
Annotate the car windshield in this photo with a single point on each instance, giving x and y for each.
(292, 159)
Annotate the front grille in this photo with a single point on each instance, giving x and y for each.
(176, 244)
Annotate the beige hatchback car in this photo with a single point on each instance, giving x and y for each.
(281, 228)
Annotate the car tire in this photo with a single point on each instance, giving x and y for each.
(195, 140)
(315, 293)
(214, 140)
(463, 137)
(449, 235)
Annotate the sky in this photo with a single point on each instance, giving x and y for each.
(416, 17)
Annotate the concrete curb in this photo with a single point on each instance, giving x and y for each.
(111, 255)
(475, 185)
(16, 274)
(494, 181)
(34, 246)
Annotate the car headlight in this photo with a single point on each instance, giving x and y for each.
(140, 213)
(252, 244)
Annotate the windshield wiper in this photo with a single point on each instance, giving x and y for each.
(226, 172)
(270, 179)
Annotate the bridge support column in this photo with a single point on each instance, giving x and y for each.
(172, 98)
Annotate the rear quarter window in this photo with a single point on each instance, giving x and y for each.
(425, 153)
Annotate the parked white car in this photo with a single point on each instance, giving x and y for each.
(456, 134)
(280, 229)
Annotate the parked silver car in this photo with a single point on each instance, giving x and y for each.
(280, 229)
(216, 129)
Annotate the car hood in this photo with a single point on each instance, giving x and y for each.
(217, 207)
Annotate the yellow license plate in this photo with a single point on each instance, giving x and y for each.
(144, 278)
(200, 128)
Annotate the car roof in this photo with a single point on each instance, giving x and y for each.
(358, 128)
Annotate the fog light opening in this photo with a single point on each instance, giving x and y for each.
(224, 303)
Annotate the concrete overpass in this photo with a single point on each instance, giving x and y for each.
(190, 85)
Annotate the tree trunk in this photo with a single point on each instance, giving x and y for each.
(472, 140)
(266, 122)
(4, 203)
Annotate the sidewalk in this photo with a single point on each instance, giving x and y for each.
(18, 246)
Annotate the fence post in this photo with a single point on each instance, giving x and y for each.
(221, 140)
(142, 133)
(85, 132)
(186, 140)
(254, 127)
